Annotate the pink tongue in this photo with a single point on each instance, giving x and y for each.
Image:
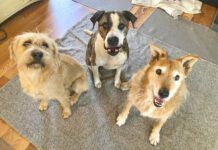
(160, 100)
(112, 49)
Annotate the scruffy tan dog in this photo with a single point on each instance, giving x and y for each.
(158, 89)
(45, 74)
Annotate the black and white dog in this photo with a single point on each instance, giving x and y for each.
(108, 46)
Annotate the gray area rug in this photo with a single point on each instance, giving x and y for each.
(92, 124)
(107, 5)
(183, 34)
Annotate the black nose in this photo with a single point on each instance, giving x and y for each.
(113, 41)
(163, 92)
(37, 55)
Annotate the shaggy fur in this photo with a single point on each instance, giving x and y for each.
(45, 74)
(158, 89)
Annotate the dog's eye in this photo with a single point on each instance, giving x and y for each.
(121, 26)
(106, 25)
(177, 77)
(45, 45)
(27, 43)
(158, 71)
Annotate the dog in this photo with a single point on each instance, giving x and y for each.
(46, 74)
(108, 47)
(158, 89)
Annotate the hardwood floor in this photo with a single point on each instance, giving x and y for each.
(55, 17)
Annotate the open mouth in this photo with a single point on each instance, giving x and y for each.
(36, 64)
(113, 50)
(158, 102)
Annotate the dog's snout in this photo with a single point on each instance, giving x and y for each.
(163, 92)
(113, 41)
(37, 55)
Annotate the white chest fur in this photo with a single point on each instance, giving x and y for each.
(106, 60)
(148, 113)
(30, 82)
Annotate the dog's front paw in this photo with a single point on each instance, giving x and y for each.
(98, 84)
(43, 106)
(66, 113)
(154, 138)
(124, 86)
(117, 85)
(121, 119)
(74, 99)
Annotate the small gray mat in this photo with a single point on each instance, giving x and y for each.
(92, 124)
(183, 34)
(108, 5)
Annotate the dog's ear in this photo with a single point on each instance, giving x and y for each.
(57, 61)
(54, 47)
(12, 47)
(97, 16)
(157, 52)
(187, 62)
(130, 17)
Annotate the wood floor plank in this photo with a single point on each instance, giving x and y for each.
(206, 17)
(31, 147)
(3, 81)
(4, 145)
(135, 8)
(4, 52)
(12, 72)
(10, 136)
(6, 66)
(21, 144)
(4, 127)
(187, 16)
(15, 139)
(142, 14)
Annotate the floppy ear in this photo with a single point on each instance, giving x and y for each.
(12, 48)
(97, 16)
(54, 46)
(130, 17)
(157, 52)
(56, 54)
(187, 62)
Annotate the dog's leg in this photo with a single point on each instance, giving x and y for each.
(79, 86)
(65, 103)
(121, 119)
(74, 98)
(155, 133)
(96, 77)
(43, 105)
(64, 100)
(125, 86)
(117, 81)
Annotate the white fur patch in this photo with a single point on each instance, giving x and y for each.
(114, 31)
(176, 84)
(149, 112)
(101, 53)
(106, 60)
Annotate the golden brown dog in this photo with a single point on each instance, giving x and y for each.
(45, 74)
(158, 89)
